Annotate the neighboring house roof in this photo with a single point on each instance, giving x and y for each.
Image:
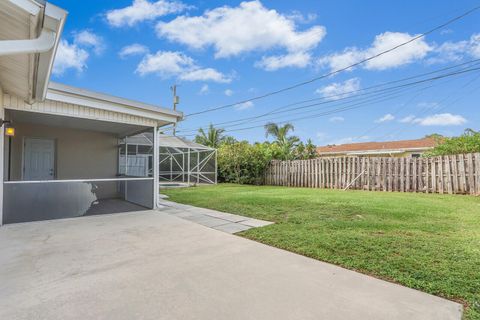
(379, 147)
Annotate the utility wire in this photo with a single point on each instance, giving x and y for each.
(335, 97)
(408, 125)
(349, 107)
(294, 86)
(380, 92)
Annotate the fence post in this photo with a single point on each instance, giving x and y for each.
(470, 184)
(420, 175)
(477, 173)
(463, 175)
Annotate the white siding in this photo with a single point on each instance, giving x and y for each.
(76, 111)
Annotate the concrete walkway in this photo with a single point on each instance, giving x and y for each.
(149, 265)
(222, 221)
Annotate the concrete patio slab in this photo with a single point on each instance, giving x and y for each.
(255, 223)
(232, 227)
(207, 221)
(232, 223)
(152, 265)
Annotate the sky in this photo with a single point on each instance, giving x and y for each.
(223, 52)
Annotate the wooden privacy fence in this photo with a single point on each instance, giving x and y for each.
(443, 174)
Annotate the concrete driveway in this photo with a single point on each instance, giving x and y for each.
(150, 265)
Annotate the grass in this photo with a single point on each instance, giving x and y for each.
(424, 241)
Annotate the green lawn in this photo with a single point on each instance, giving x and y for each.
(428, 242)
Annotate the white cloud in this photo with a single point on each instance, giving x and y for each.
(297, 60)
(169, 64)
(455, 51)
(228, 92)
(475, 45)
(88, 39)
(69, 56)
(406, 54)
(386, 118)
(349, 140)
(339, 90)
(232, 31)
(446, 31)
(297, 16)
(407, 119)
(132, 50)
(336, 119)
(244, 106)
(74, 55)
(143, 10)
(204, 89)
(440, 119)
(204, 74)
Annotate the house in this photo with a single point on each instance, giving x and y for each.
(401, 148)
(61, 157)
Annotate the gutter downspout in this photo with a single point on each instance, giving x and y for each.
(43, 43)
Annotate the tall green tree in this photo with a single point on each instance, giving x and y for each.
(310, 150)
(212, 138)
(468, 142)
(286, 143)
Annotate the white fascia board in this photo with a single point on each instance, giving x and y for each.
(54, 21)
(59, 87)
(30, 6)
(109, 106)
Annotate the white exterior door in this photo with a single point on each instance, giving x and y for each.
(39, 159)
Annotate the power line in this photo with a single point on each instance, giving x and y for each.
(337, 97)
(351, 106)
(378, 92)
(341, 69)
(399, 130)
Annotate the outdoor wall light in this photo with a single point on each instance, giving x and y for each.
(10, 131)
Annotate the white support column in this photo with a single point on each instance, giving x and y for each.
(156, 167)
(188, 166)
(198, 167)
(2, 155)
(216, 168)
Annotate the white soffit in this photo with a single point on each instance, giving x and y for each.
(33, 27)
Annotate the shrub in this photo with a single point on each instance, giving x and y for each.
(241, 162)
(468, 142)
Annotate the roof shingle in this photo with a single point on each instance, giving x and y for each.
(378, 146)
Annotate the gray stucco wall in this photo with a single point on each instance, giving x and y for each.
(80, 154)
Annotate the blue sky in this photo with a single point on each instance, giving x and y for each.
(222, 52)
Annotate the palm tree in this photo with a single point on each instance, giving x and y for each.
(212, 138)
(285, 142)
(310, 150)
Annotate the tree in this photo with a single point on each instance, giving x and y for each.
(229, 140)
(468, 142)
(286, 143)
(305, 151)
(212, 138)
(310, 150)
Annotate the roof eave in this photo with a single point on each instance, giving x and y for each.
(54, 21)
(72, 95)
